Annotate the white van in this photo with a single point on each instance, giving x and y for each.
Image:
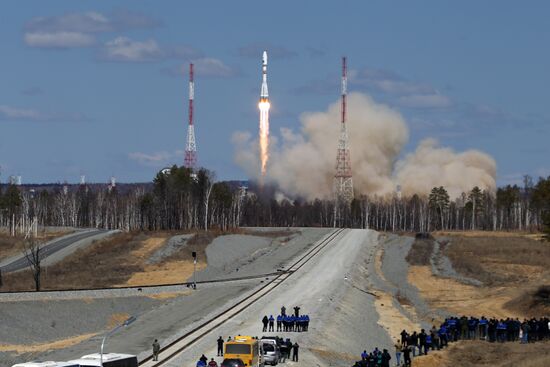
(109, 360)
(46, 364)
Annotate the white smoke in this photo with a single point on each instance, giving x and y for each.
(303, 164)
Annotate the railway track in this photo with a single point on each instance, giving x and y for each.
(172, 350)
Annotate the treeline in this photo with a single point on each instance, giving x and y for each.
(182, 199)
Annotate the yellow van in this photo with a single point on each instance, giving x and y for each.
(245, 348)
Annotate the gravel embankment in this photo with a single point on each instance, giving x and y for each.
(244, 255)
(442, 266)
(173, 245)
(395, 269)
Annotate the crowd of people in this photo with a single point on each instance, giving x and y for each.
(286, 323)
(454, 329)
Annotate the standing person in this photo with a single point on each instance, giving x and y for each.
(296, 311)
(407, 356)
(212, 363)
(203, 359)
(220, 347)
(271, 323)
(422, 342)
(283, 311)
(265, 321)
(279, 323)
(295, 348)
(398, 348)
(385, 358)
(364, 355)
(156, 350)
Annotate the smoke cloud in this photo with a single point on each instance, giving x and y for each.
(303, 163)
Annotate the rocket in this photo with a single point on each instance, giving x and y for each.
(264, 95)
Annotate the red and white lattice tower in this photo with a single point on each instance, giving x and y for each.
(343, 181)
(191, 147)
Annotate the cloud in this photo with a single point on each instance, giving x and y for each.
(78, 29)
(9, 113)
(205, 66)
(425, 101)
(255, 50)
(157, 159)
(209, 66)
(59, 39)
(125, 49)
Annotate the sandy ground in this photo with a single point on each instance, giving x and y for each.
(458, 298)
(168, 272)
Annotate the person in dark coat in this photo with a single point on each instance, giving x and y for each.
(295, 348)
(220, 347)
(265, 321)
(296, 311)
(156, 350)
(385, 358)
(407, 356)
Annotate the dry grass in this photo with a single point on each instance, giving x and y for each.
(533, 302)
(480, 353)
(44, 347)
(104, 263)
(121, 260)
(462, 299)
(420, 252)
(499, 260)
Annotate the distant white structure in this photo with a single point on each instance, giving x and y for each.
(82, 180)
(19, 180)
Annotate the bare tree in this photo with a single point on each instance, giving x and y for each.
(33, 254)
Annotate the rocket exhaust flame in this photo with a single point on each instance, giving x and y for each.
(264, 117)
(264, 133)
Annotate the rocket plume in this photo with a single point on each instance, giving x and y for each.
(301, 164)
(264, 117)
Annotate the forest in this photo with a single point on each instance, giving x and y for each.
(181, 199)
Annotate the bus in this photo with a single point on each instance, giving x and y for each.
(109, 360)
(245, 348)
(46, 364)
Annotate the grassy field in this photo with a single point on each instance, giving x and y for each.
(481, 353)
(106, 263)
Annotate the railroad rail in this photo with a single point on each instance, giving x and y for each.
(175, 348)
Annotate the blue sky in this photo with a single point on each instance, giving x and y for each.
(97, 88)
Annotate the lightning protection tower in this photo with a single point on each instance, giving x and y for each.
(191, 148)
(343, 181)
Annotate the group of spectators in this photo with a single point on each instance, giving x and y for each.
(286, 323)
(454, 329)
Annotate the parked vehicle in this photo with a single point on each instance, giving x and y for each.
(245, 348)
(109, 360)
(46, 364)
(232, 363)
(271, 351)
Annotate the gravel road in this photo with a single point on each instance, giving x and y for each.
(344, 321)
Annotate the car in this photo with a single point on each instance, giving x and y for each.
(271, 351)
(232, 362)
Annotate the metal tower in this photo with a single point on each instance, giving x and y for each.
(343, 182)
(191, 148)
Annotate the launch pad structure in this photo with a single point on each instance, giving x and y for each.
(343, 180)
(190, 160)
